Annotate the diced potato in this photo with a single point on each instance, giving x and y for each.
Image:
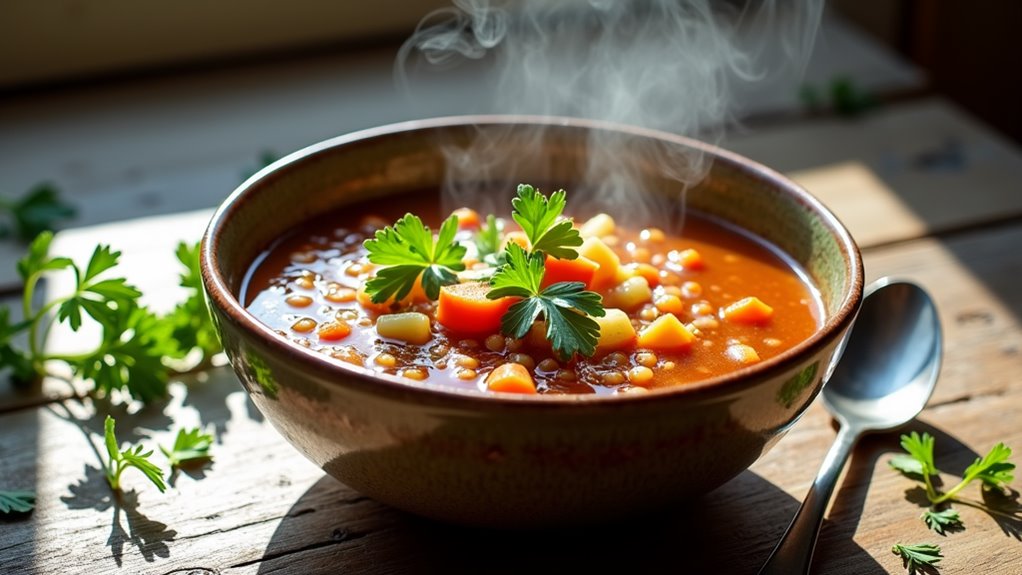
(742, 353)
(749, 311)
(630, 294)
(616, 331)
(667, 333)
(597, 251)
(412, 327)
(597, 226)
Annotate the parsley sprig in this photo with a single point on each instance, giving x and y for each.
(408, 251)
(120, 460)
(565, 306)
(134, 344)
(993, 470)
(918, 557)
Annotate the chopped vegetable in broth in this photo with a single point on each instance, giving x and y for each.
(531, 303)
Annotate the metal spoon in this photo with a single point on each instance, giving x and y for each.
(886, 375)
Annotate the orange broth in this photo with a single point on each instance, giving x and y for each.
(304, 288)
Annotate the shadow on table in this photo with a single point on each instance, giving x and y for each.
(731, 530)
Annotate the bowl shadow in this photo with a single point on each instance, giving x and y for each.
(730, 530)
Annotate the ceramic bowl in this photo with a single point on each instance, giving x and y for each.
(501, 459)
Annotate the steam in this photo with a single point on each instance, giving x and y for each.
(671, 65)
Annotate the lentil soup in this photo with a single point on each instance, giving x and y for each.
(678, 309)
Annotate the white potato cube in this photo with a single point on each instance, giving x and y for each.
(411, 327)
(616, 331)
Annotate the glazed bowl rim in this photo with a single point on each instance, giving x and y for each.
(344, 374)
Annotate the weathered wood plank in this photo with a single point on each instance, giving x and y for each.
(946, 168)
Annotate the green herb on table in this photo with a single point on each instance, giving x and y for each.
(993, 470)
(569, 331)
(943, 520)
(191, 325)
(918, 557)
(37, 211)
(16, 501)
(190, 446)
(134, 343)
(120, 460)
(409, 251)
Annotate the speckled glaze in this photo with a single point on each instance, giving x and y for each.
(501, 459)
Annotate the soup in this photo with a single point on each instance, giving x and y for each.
(667, 310)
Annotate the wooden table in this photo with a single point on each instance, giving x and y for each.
(262, 508)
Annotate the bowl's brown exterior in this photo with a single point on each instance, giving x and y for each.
(507, 460)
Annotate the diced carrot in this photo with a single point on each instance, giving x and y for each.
(333, 331)
(468, 219)
(647, 271)
(417, 295)
(511, 378)
(580, 269)
(666, 332)
(517, 237)
(690, 259)
(749, 311)
(597, 251)
(669, 303)
(465, 308)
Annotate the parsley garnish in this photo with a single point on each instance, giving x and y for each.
(564, 305)
(190, 446)
(16, 501)
(918, 557)
(538, 218)
(488, 237)
(408, 251)
(121, 460)
(36, 212)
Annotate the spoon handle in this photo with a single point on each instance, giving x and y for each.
(794, 553)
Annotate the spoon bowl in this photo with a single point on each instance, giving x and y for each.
(889, 370)
(886, 375)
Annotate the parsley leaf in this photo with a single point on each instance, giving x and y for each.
(918, 557)
(97, 298)
(190, 446)
(16, 501)
(123, 459)
(564, 305)
(993, 470)
(538, 216)
(941, 521)
(130, 356)
(488, 237)
(191, 324)
(409, 251)
(36, 212)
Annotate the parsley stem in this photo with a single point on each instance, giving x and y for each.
(931, 492)
(950, 494)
